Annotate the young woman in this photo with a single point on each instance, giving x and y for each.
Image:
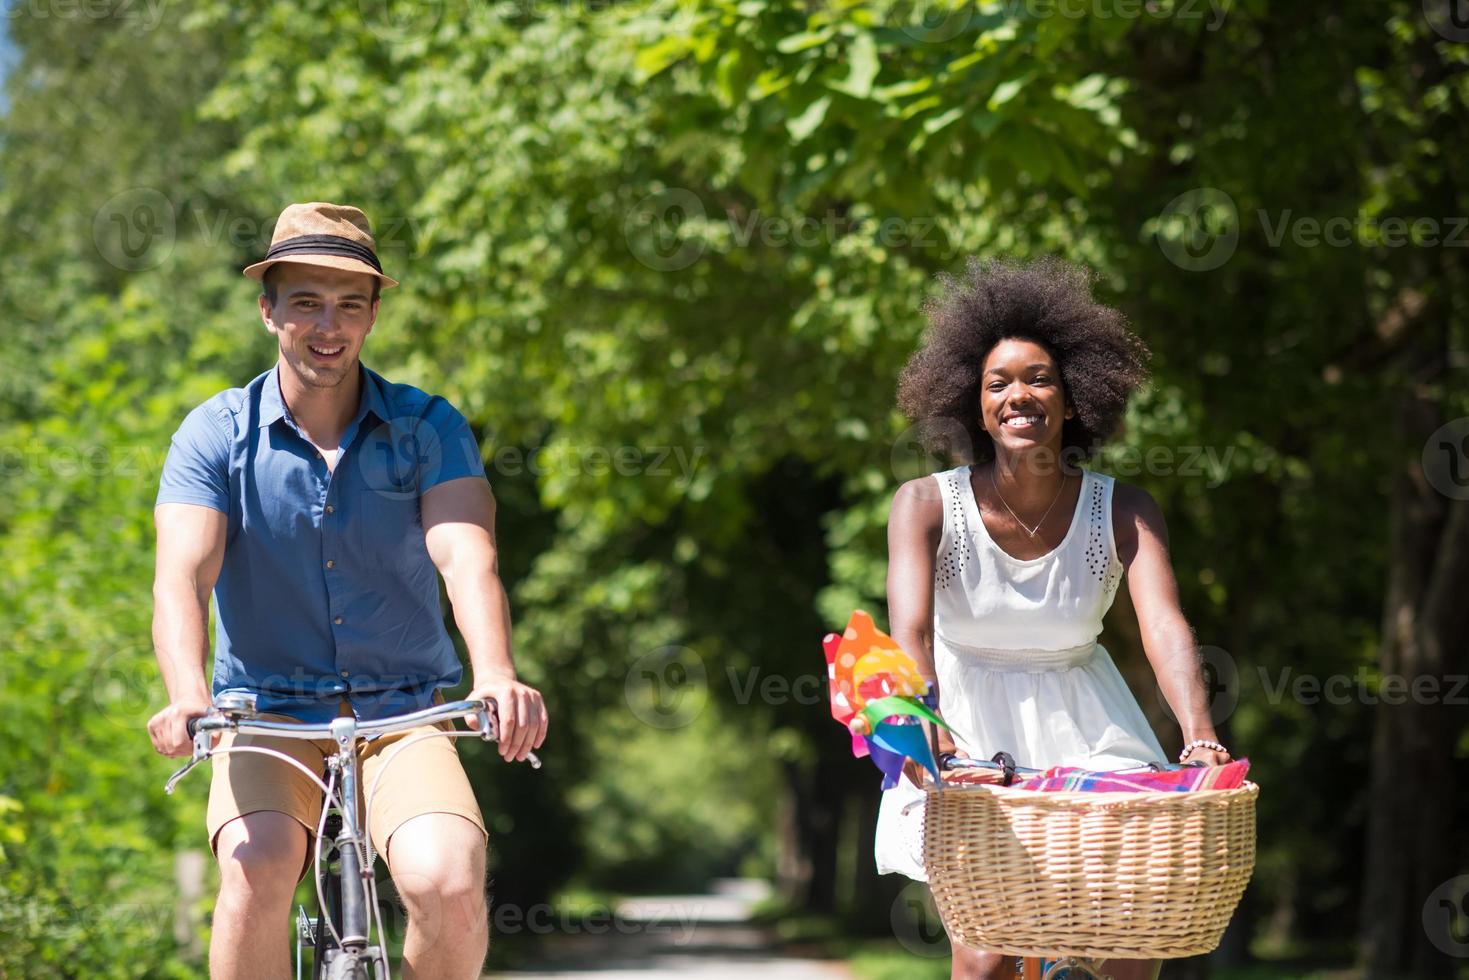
(1000, 572)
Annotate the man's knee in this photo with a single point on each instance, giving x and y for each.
(438, 864)
(260, 857)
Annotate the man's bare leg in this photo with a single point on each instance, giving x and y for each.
(438, 866)
(260, 857)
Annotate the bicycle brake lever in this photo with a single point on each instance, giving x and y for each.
(488, 733)
(203, 748)
(174, 779)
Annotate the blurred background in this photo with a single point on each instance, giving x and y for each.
(669, 258)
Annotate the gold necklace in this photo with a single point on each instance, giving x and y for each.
(1030, 531)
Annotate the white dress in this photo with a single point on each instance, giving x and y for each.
(1016, 653)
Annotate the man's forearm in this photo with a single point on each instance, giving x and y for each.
(181, 640)
(482, 612)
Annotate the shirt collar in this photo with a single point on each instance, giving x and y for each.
(273, 406)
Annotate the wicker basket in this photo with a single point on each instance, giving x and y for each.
(1133, 875)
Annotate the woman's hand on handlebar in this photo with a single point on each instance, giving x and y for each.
(1208, 757)
(920, 776)
(169, 728)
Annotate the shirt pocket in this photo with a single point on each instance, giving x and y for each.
(389, 529)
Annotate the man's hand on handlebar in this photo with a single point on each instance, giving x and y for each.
(169, 728)
(520, 714)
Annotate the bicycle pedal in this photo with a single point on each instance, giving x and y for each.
(305, 928)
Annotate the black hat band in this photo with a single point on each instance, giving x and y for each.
(323, 245)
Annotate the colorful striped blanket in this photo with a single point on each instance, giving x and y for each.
(1072, 779)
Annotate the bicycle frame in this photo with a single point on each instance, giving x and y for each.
(350, 921)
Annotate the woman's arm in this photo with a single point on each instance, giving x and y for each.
(1142, 545)
(915, 527)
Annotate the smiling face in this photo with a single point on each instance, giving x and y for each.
(320, 318)
(1022, 403)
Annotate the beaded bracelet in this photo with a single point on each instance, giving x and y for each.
(1201, 743)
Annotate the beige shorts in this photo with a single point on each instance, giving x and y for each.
(426, 777)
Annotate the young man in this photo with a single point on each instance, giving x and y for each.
(316, 504)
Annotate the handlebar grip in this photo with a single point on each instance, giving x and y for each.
(193, 726)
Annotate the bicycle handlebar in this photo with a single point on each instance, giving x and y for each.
(219, 722)
(1001, 765)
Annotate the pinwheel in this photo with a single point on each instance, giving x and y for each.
(879, 696)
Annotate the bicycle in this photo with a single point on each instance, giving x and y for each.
(1035, 967)
(341, 937)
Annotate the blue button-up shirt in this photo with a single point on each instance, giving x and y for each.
(327, 590)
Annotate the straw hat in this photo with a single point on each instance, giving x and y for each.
(332, 235)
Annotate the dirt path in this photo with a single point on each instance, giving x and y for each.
(703, 936)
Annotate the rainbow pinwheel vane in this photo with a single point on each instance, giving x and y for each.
(878, 694)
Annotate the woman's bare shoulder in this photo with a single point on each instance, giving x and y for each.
(918, 502)
(1134, 508)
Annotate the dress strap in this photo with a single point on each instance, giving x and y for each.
(955, 550)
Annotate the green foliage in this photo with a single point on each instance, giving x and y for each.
(669, 257)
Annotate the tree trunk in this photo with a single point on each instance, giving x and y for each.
(1411, 845)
